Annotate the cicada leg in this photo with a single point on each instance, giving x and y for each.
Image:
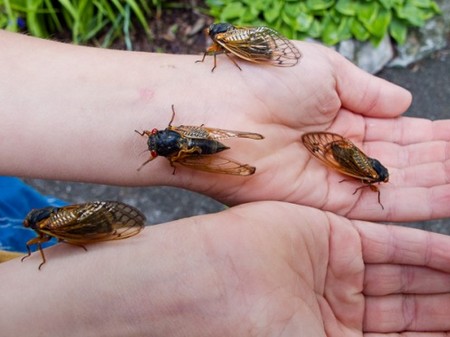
(37, 241)
(373, 188)
(182, 153)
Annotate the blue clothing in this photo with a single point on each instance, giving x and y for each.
(16, 200)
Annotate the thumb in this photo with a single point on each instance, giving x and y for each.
(367, 94)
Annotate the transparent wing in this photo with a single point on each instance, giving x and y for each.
(94, 221)
(201, 132)
(319, 144)
(216, 164)
(260, 45)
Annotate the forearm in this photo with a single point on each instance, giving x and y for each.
(70, 112)
(234, 273)
(144, 286)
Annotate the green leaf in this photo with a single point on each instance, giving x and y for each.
(249, 15)
(232, 10)
(286, 31)
(293, 10)
(315, 30)
(387, 4)
(411, 14)
(420, 3)
(359, 31)
(398, 30)
(346, 7)
(317, 5)
(303, 22)
(367, 12)
(380, 26)
(435, 8)
(334, 33)
(273, 13)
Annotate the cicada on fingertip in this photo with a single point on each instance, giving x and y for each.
(342, 155)
(255, 44)
(196, 147)
(82, 224)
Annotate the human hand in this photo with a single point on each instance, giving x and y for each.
(326, 92)
(80, 126)
(259, 269)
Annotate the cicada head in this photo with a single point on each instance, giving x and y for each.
(383, 173)
(151, 142)
(163, 143)
(218, 28)
(35, 216)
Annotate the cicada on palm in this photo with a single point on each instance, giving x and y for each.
(254, 44)
(82, 224)
(342, 155)
(196, 147)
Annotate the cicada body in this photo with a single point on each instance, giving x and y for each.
(196, 147)
(254, 44)
(82, 224)
(342, 155)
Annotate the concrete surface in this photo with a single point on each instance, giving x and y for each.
(429, 81)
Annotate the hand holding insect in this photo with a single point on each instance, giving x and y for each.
(296, 266)
(323, 92)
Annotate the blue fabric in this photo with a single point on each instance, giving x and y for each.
(16, 200)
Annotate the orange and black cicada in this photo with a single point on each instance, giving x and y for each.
(342, 155)
(254, 44)
(83, 223)
(195, 147)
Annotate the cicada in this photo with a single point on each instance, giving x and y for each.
(254, 44)
(342, 155)
(195, 147)
(83, 223)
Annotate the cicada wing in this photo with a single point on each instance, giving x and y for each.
(95, 221)
(216, 164)
(320, 145)
(260, 45)
(202, 132)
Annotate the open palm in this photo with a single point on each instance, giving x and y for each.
(259, 269)
(312, 273)
(324, 92)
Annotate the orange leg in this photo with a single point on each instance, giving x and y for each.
(37, 241)
(181, 154)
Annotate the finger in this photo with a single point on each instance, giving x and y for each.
(426, 175)
(385, 279)
(366, 94)
(399, 156)
(401, 245)
(403, 204)
(406, 130)
(396, 313)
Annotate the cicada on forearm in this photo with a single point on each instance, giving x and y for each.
(196, 147)
(255, 44)
(82, 224)
(342, 155)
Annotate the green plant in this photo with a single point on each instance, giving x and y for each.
(331, 21)
(85, 19)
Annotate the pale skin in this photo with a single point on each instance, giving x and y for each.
(307, 267)
(259, 269)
